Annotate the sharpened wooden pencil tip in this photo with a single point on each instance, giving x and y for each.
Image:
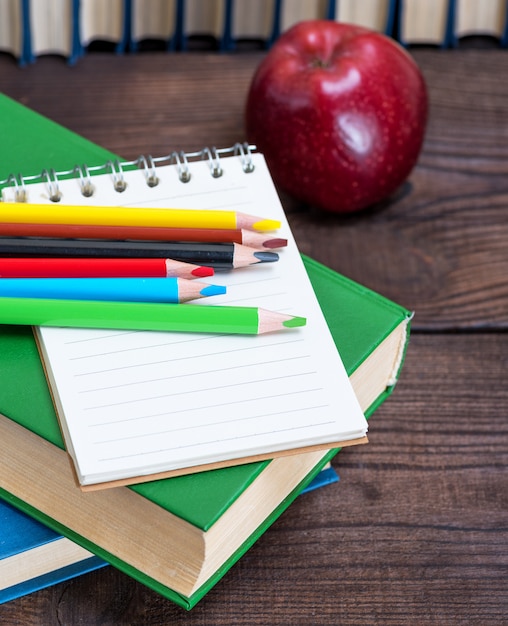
(294, 322)
(271, 321)
(213, 290)
(203, 271)
(265, 257)
(266, 225)
(255, 223)
(275, 243)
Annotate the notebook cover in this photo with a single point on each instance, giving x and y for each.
(359, 320)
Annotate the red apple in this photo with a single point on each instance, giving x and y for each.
(339, 112)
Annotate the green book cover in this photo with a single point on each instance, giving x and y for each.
(361, 322)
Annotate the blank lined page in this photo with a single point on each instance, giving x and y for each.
(135, 403)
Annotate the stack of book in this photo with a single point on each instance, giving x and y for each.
(72, 27)
(201, 522)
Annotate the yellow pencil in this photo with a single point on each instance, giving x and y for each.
(28, 213)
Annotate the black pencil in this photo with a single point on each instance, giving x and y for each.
(218, 256)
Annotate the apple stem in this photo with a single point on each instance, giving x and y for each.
(319, 63)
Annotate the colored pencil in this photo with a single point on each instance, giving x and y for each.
(144, 316)
(94, 231)
(78, 267)
(217, 255)
(123, 289)
(28, 213)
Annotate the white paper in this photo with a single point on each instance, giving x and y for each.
(135, 403)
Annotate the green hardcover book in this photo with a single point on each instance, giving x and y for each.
(178, 536)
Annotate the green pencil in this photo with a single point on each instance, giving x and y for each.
(144, 316)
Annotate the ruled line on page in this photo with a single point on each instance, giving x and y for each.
(172, 359)
(217, 422)
(197, 373)
(168, 396)
(208, 442)
(197, 409)
(220, 422)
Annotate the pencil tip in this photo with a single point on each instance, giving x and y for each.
(264, 225)
(265, 257)
(275, 243)
(213, 290)
(203, 271)
(294, 322)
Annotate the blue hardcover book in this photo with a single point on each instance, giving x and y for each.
(33, 557)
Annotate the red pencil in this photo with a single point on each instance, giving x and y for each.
(95, 231)
(38, 267)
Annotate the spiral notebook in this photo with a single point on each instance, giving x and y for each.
(134, 406)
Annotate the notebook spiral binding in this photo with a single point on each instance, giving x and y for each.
(116, 169)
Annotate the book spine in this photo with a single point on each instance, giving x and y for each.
(449, 37)
(390, 18)
(123, 45)
(504, 36)
(26, 46)
(76, 47)
(227, 41)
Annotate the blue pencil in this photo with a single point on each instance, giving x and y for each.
(172, 290)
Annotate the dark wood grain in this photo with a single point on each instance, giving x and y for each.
(416, 532)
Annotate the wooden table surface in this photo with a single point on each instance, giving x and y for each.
(416, 531)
